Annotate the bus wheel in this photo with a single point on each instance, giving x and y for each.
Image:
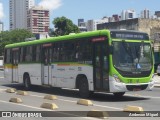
(83, 88)
(119, 94)
(27, 83)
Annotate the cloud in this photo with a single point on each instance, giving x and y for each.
(1, 11)
(50, 4)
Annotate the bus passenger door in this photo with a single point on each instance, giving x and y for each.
(46, 65)
(101, 69)
(15, 59)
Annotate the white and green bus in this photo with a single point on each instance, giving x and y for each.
(113, 61)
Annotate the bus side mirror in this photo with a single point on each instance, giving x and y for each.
(111, 49)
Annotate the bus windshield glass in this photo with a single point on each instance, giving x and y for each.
(133, 58)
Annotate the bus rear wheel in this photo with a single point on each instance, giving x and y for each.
(119, 94)
(27, 83)
(83, 88)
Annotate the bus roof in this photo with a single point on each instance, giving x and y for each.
(60, 38)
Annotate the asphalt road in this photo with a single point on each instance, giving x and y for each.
(67, 101)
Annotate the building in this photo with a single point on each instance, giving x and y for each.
(92, 24)
(38, 20)
(150, 26)
(80, 21)
(116, 17)
(1, 27)
(145, 14)
(18, 13)
(82, 25)
(128, 14)
(157, 14)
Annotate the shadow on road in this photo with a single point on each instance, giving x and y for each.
(103, 97)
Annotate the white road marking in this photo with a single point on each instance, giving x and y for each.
(25, 105)
(143, 96)
(36, 96)
(107, 107)
(68, 100)
(57, 98)
(2, 89)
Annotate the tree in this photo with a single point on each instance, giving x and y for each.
(14, 36)
(64, 26)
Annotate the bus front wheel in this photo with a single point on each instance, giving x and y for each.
(27, 83)
(119, 94)
(83, 88)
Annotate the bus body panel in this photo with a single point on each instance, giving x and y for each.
(34, 72)
(15, 74)
(8, 72)
(64, 75)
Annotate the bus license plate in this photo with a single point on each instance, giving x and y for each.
(136, 89)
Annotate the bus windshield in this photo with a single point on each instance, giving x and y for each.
(133, 58)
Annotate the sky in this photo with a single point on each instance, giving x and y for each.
(86, 9)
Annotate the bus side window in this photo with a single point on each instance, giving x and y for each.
(38, 53)
(28, 56)
(85, 51)
(8, 56)
(34, 53)
(55, 52)
(77, 51)
(21, 54)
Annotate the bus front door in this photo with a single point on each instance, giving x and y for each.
(15, 58)
(47, 66)
(101, 69)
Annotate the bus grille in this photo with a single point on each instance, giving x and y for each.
(136, 87)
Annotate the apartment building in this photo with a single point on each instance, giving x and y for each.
(38, 20)
(18, 13)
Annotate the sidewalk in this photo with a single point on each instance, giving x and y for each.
(157, 81)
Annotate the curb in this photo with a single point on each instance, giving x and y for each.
(135, 109)
(85, 102)
(50, 97)
(16, 100)
(11, 90)
(22, 93)
(51, 106)
(98, 114)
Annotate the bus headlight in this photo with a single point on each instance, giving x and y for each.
(116, 78)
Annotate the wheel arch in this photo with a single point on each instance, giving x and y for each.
(78, 78)
(26, 74)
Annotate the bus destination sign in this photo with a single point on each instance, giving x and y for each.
(129, 35)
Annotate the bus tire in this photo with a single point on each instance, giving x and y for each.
(84, 88)
(27, 83)
(119, 94)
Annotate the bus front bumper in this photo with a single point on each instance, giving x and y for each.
(122, 87)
